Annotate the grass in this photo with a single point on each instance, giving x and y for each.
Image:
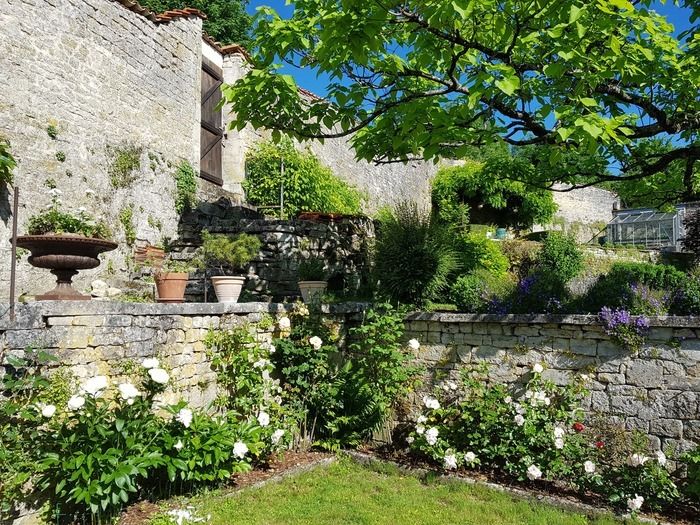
(347, 493)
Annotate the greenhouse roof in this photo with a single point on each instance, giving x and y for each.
(636, 216)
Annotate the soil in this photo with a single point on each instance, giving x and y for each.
(140, 513)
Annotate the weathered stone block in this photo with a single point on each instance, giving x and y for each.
(645, 373)
(667, 428)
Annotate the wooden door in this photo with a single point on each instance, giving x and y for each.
(212, 131)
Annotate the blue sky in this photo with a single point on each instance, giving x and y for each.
(678, 16)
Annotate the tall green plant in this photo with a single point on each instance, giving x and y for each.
(186, 187)
(308, 185)
(227, 251)
(7, 162)
(414, 255)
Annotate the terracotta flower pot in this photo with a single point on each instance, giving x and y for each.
(312, 291)
(64, 255)
(228, 289)
(171, 287)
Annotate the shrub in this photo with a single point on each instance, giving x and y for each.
(614, 288)
(475, 292)
(686, 300)
(227, 251)
(414, 256)
(692, 484)
(692, 233)
(312, 269)
(537, 293)
(521, 255)
(308, 185)
(628, 332)
(535, 434)
(7, 162)
(344, 398)
(560, 257)
(476, 251)
(478, 192)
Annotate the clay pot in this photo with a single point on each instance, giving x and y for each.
(64, 255)
(171, 287)
(312, 291)
(228, 289)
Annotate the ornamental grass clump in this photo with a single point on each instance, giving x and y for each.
(626, 330)
(227, 252)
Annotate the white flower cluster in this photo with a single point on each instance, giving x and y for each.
(316, 342)
(634, 504)
(186, 515)
(284, 323)
(414, 344)
(533, 473)
(431, 402)
(538, 397)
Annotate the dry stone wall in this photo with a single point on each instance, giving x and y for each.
(120, 96)
(656, 391)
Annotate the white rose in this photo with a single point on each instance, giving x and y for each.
(151, 362)
(184, 416)
(431, 436)
(414, 344)
(533, 472)
(261, 363)
(637, 460)
(240, 449)
(158, 375)
(589, 467)
(178, 445)
(421, 420)
(128, 391)
(48, 411)
(470, 457)
(634, 504)
(316, 342)
(519, 420)
(284, 323)
(508, 400)
(263, 418)
(95, 385)
(538, 368)
(420, 429)
(559, 432)
(277, 436)
(559, 443)
(431, 402)
(661, 458)
(450, 462)
(410, 440)
(76, 403)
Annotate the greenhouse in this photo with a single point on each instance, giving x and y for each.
(646, 228)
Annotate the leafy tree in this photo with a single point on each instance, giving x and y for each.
(490, 192)
(433, 78)
(227, 20)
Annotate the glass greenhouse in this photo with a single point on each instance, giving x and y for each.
(646, 228)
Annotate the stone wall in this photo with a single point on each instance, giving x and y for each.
(108, 338)
(112, 86)
(583, 212)
(657, 391)
(344, 244)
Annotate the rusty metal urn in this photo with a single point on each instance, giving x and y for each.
(64, 255)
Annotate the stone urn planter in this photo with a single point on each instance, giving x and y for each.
(312, 291)
(171, 286)
(64, 255)
(228, 288)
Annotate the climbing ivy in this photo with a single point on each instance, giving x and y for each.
(7, 162)
(186, 184)
(126, 217)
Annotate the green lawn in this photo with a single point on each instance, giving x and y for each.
(346, 493)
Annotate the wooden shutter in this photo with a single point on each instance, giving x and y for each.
(212, 132)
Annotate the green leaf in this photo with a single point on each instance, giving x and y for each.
(508, 84)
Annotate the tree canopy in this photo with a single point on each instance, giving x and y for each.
(227, 20)
(432, 78)
(487, 191)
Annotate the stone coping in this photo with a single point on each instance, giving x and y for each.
(581, 320)
(34, 313)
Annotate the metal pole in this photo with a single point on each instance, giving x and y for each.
(282, 189)
(13, 262)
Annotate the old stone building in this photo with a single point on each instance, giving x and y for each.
(103, 100)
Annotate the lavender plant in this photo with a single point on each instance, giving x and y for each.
(626, 330)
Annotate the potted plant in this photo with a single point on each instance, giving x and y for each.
(171, 280)
(227, 253)
(312, 279)
(65, 242)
